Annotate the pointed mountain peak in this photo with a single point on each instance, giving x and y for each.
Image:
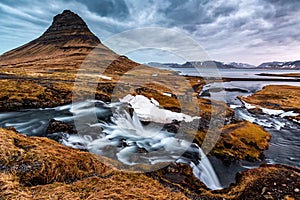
(67, 21)
(66, 26)
(67, 35)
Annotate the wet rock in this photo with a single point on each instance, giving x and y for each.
(55, 126)
(172, 127)
(178, 174)
(256, 111)
(56, 130)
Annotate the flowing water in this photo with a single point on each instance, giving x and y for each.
(119, 135)
(285, 134)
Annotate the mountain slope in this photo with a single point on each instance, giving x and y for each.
(293, 65)
(67, 34)
(42, 72)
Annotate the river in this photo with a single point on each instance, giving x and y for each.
(284, 145)
(285, 134)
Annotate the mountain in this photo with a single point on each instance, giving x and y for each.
(204, 64)
(293, 65)
(67, 37)
(241, 65)
(69, 63)
(60, 51)
(163, 65)
(42, 73)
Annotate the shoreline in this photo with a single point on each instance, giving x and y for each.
(261, 79)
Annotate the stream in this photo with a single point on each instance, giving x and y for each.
(120, 135)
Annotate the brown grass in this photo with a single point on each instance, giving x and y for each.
(39, 168)
(242, 140)
(284, 96)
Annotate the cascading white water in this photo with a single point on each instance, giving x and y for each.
(159, 145)
(205, 172)
(125, 135)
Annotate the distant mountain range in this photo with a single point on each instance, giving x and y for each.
(293, 65)
(280, 65)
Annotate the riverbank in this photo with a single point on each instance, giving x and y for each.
(279, 99)
(39, 168)
(295, 75)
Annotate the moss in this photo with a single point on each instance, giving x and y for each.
(242, 140)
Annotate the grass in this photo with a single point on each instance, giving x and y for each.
(286, 97)
(242, 140)
(39, 168)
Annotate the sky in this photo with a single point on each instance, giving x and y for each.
(248, 31)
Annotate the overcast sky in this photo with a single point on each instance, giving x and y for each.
(251, 31)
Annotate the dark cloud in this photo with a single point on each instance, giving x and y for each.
(108, 8)
(284, 8)
(190, 13)
(226, 29)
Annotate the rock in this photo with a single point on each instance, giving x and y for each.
(180, 177)
(55, 126)
(56, 130)
(256, 111)
(68, 26)
(172, 127)
(264, 177)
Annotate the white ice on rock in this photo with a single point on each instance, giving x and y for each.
(248, 106)
(289, 114)
(105, 77)
(149, 110)
(167, 94)
(269, 111)
(235, 106)
(274, 118)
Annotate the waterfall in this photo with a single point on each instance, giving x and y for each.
(124, 134)
(205, 172)
(153, 139)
